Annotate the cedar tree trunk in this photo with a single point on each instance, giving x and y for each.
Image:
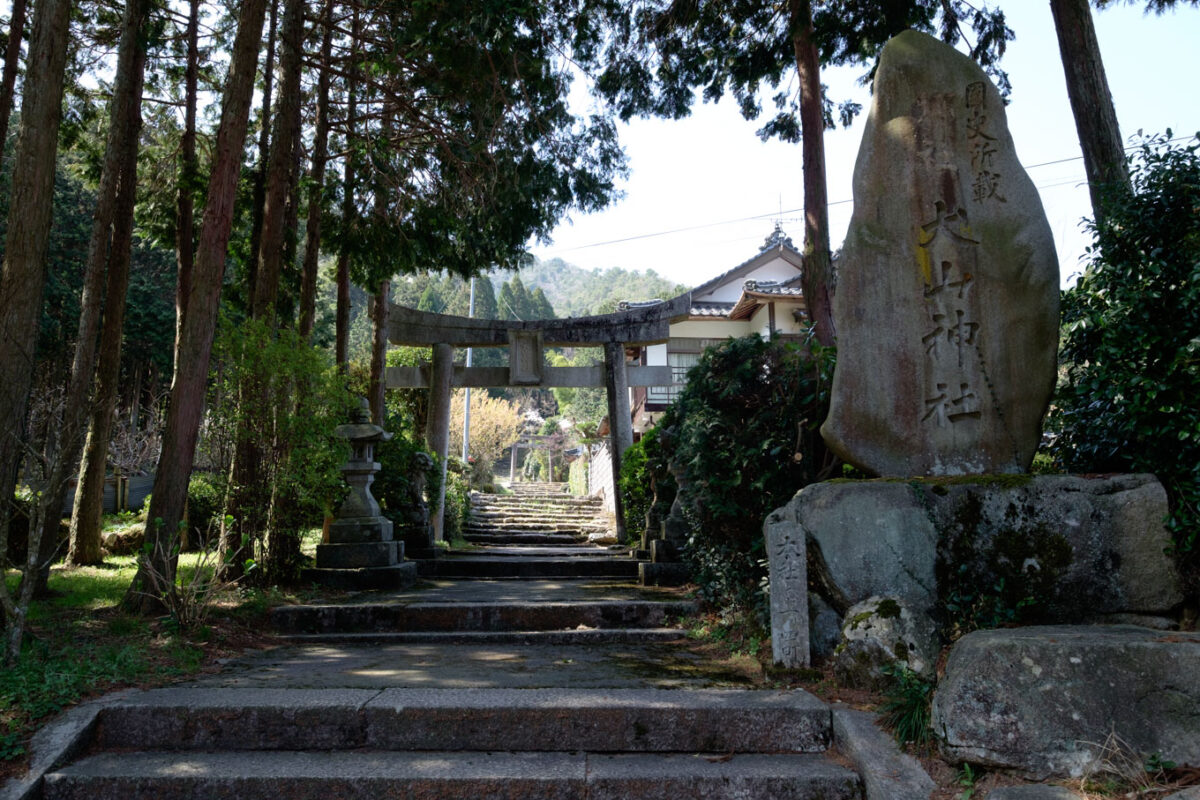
(155, 576)
(316, 188)
(89, 497)
(12, 63)
(817, 280)
(23, 274)
(260, 172)
(185, 234)
(1091, 101)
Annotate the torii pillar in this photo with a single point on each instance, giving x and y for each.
(620, 426)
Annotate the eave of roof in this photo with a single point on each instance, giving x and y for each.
(752, 300)
(789, 254)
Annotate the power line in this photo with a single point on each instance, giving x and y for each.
(781, 212)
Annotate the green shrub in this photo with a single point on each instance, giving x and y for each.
(458, 499)
(398, 465)
(278, 397)
(1132, 339)
(577, 477)
(742, 437)
(647, 486)
(206, 494)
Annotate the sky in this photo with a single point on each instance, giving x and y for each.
(704, 192)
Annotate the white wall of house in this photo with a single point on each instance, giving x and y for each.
(600, 476)
(716, 328)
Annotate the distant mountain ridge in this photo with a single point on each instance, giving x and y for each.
(577, 292)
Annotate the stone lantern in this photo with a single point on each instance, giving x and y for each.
(360, 552)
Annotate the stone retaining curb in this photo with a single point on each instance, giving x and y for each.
(887, 773)
(58, 743)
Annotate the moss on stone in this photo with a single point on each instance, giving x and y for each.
(888, 609)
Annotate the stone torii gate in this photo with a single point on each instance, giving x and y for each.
(638, 325)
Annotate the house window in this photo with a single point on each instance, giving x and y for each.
(680, 363)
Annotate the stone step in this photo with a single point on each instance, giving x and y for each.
(565, 638)
(495, 501)
(318, 775)
(530, 497)
(569, 516)
(533, 521)
(573, 550)
(468, 719)
(531, 526)
(522, 513)
(487, 536)
(465, 616)
(483, 566)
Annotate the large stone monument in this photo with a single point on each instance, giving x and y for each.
(947, 299)
(361, 553)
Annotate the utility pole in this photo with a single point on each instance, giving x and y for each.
(467, 405)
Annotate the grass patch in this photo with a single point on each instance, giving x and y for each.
(79, 644)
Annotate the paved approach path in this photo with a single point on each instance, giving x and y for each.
(474, 688)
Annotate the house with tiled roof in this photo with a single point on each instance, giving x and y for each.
(761, 295)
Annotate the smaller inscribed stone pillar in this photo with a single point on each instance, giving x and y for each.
(787, 564)
(616, 383)
(437, 429)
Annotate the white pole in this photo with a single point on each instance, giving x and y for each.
(467, 405)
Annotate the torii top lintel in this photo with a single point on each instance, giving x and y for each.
(639, 325)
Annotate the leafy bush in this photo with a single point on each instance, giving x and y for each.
(742, 439)
(495, 426)
(1132, 339)
(577, 477)
(278, 397)
(458, 499)
(206, 493)
(398, 466)
(647, 486)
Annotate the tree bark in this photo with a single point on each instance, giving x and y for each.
(155, 575)
(316, 187)
(23, 274)
(349, 212)
(89, 496)
(817, 280)
(260, 173)
(249, 488)
(12, 64)
(1091, 101)
(379, 342)
(284, 163)
(185, 212)
(120, 150)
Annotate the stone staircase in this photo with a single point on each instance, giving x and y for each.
(534, 514)
(556, 687)
(551, 612)
(538, 531)
(458, 743)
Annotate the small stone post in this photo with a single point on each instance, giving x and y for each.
(787, 560)
(437, 430)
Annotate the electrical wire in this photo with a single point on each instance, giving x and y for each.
(779, 214)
